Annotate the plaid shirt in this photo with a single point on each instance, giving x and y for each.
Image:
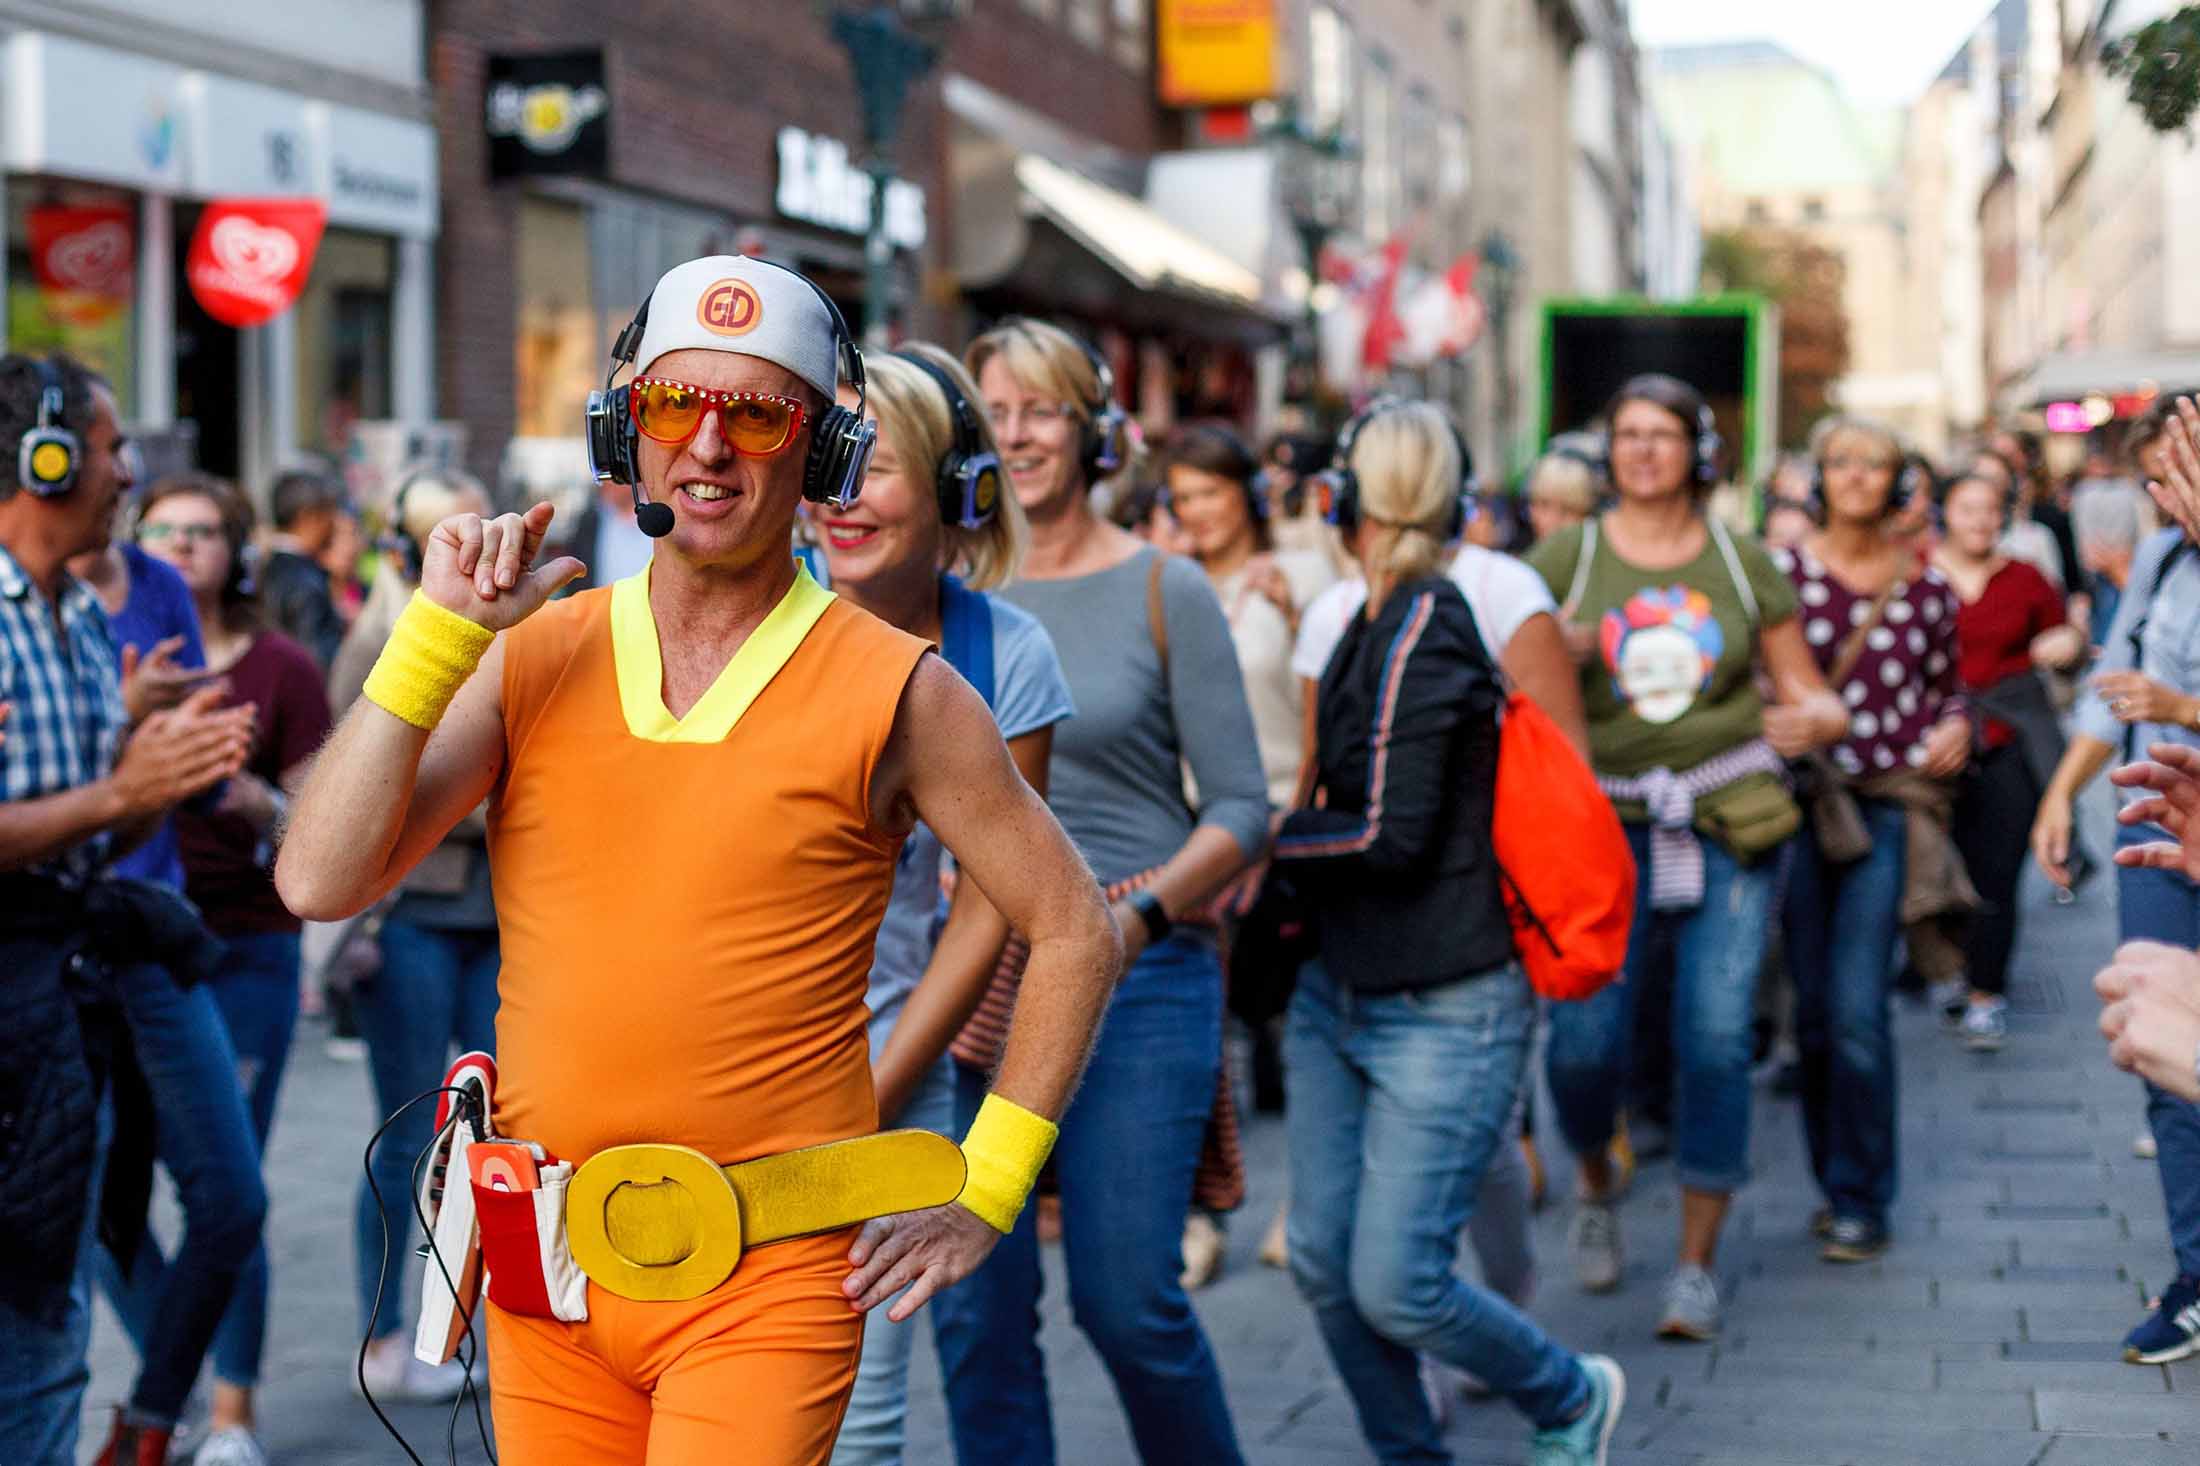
(65, 689)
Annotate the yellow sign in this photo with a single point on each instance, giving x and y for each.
(1217, 53)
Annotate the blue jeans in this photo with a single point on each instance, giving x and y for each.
(2162, 906)
(204, 1135)
(1398, 1104)
(871, 1432)
(256, 994)
(436, 986)
(42, 1365)
(1842, 922)
(1715, 951)
(1125, 1159)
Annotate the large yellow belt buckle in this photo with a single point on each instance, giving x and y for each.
(663, 1223)
(657, 1223)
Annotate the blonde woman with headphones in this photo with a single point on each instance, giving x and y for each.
(1408, 1039)
(437, 983)
(1148, 659)
(932, 534)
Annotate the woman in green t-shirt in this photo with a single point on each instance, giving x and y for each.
(1670, 618)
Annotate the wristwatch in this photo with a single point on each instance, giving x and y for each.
(1149, 909)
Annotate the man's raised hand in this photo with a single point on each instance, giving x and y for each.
(484, 569)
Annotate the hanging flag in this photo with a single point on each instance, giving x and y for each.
(82, 259)
(250, 257)
(1442, 316)
(1385, 331)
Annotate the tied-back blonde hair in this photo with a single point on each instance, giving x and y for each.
(425, 497)
(1047, 360)
(914, 415)
(1406, 459)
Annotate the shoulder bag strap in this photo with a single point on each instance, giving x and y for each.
(1742, 587)
(1157, 616)
(1584, 561)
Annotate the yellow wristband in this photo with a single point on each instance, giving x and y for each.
(1004, 1150)
(430, 654)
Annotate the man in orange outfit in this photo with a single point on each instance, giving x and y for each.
(699, 780)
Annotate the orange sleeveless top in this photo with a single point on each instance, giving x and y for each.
(688, 906)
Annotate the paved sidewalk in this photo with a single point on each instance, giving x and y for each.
(2028, 1239)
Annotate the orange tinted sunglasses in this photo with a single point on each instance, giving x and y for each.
(754, 424)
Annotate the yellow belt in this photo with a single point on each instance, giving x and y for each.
(663, 1223)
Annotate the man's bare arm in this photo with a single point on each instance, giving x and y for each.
(383, 793)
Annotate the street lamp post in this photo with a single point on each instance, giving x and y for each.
(1313, 188)
(891, 46)
(1502, 266)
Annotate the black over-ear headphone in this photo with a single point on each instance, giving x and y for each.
(1106, 443)
(969, 479)
(840, 442)
(1245, 468)
(1341, 486)
(47, 460)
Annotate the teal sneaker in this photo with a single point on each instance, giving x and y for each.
(1587, 1441)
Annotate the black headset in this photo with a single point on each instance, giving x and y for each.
(840, 442)
(1105, 446)
(1341, 486)
(969, 478)
(47, 459)
(1246, 470)
(1653, 388)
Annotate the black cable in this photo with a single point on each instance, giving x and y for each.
(467, 1106)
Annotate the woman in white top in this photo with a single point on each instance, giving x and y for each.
(1212, 488)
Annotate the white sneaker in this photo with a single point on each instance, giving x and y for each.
(232, 1445)
(393, 1375)
(1594, 1242)
(1204, 1245)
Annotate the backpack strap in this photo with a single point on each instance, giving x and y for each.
(1742, 587)
(1157, 616)
(1584, 561)
(966, 635)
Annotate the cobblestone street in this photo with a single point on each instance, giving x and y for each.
(2028, 1237)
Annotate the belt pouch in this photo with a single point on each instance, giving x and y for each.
(510, 1251)
(531, 1269)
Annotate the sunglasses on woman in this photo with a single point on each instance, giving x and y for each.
(754, 424)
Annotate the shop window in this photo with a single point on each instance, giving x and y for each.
(1086, 22)
(343, 352)
(560, 347)
(1130, 33)
(72, 278)
(1329, 69)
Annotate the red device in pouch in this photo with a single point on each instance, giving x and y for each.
(507, 1179)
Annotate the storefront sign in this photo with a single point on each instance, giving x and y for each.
(82, 258)
(1216, 52)
(250, 257)
(548, 114)
(819, 185)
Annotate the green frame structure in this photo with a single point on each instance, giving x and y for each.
(1760, 360)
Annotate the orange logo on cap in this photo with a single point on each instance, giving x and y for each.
(730, 308)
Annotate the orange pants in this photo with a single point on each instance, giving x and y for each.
(758, 1369)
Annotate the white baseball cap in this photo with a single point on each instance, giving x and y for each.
(746, 306)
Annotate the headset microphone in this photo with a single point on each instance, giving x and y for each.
(652, 519)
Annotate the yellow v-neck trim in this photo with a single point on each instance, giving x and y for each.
(640, 663)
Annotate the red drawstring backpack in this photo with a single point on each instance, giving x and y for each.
(1562, 858)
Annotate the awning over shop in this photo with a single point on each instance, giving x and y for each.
(2069, 375)
(1034, 234)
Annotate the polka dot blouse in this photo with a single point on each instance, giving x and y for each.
(1905, 680)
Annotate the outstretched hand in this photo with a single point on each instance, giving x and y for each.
(2172, 777)
(924, 1251)
(484, 569)
(2150, 1015)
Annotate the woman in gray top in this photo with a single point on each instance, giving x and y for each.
(1148, 658)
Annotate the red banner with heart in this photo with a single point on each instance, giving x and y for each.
(82, 259)
(250, 257)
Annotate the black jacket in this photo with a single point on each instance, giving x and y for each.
(63, 1040)
(295, 591)
(1396, 869)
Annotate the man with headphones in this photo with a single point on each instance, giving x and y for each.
(701, 777)
(98, 972)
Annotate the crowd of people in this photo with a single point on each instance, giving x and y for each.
(1261, 694)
